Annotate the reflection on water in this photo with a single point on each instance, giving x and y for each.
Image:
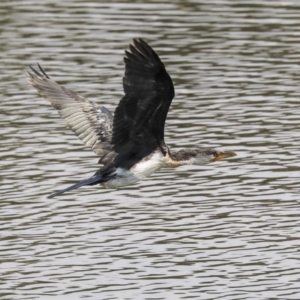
(229, 230)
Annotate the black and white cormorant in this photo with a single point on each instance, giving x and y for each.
(130, 143)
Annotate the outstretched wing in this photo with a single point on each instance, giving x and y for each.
(90, 122)
(139, 119)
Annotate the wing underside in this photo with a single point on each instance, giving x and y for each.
(90, 122)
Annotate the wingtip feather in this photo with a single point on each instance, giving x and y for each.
(42, 75)
(42, 70)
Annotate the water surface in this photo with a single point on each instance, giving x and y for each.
(228, 230)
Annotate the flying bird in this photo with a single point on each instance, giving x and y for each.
(130, 143)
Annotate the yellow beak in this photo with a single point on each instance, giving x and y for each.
(222, 155)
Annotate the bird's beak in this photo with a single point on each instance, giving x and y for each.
(222, 155)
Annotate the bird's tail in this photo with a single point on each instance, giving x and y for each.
(90, 181)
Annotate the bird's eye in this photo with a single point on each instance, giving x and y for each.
(216, 154)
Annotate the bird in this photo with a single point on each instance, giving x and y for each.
(130, 142)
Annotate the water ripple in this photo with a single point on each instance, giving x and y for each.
(229, 230)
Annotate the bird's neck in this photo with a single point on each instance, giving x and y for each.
(181, 157)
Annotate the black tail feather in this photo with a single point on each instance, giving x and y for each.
(90, 181)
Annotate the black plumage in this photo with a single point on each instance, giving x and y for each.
(139, 120)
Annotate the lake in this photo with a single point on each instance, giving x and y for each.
(228, 230)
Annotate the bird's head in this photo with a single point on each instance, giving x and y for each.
(196, 156)
(207, 155)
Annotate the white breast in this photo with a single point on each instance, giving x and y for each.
(148, 165)
(139, 171)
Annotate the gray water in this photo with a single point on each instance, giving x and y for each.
(229, 230)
